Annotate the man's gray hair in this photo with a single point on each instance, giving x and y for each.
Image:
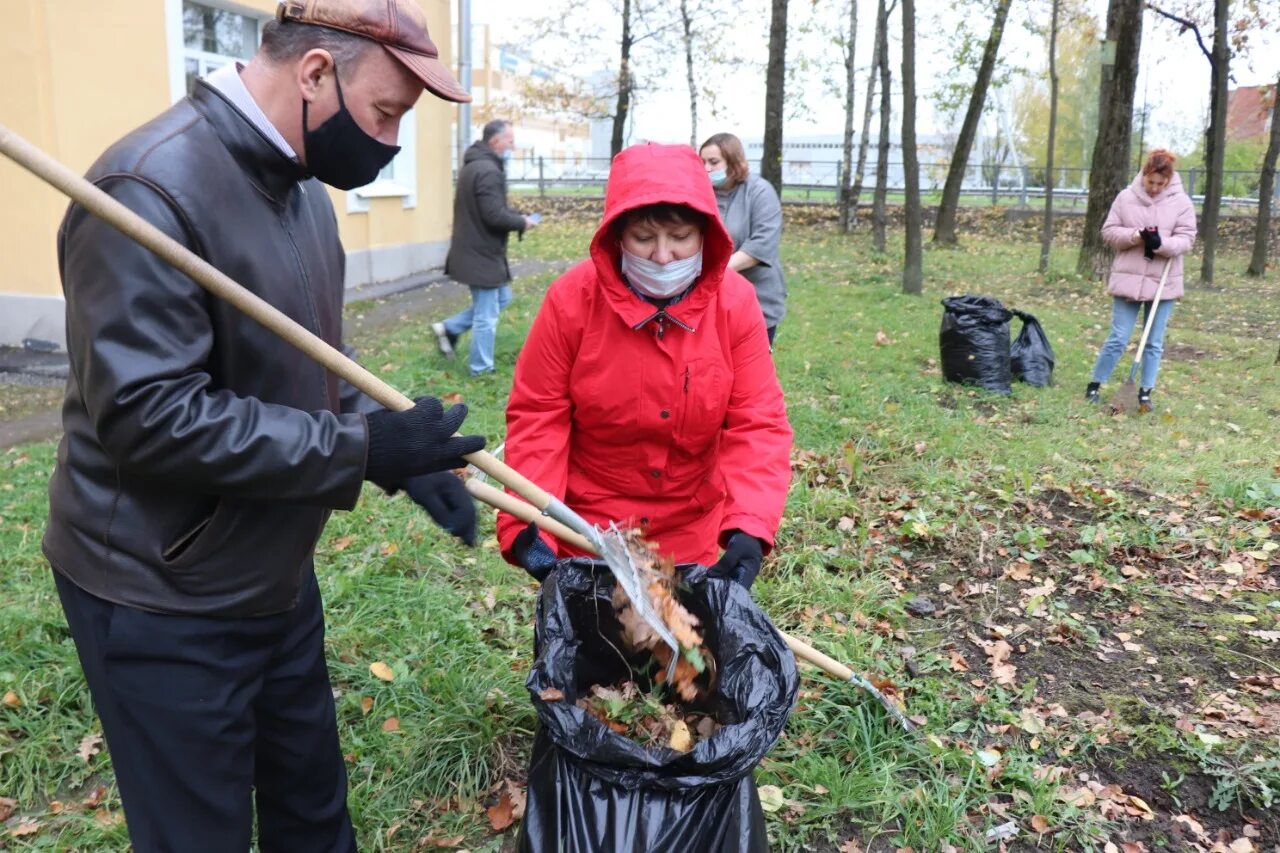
(493, 128)
(283, 41)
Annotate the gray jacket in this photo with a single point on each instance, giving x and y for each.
(481, 221)
(753, 215)
(201, 454)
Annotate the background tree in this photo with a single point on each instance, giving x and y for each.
(1266, 191)
(1109, 167)
(625, 83)
(847, 212)
(686, 29)
(913, 264)
(945, 228)
(1046, 230)
(882, 14)
(775, 96)
(879, 217)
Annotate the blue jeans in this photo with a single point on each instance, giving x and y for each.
(481, 317)
(1124, 316)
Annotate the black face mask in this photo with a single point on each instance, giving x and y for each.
(339, 153)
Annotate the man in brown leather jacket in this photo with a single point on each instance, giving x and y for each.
(202, 455)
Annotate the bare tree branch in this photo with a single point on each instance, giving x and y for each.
(1186, 25)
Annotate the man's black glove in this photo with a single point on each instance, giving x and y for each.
(532, 553)
(741, 559)
(447, 501)
(421, 440)
(1150, 242)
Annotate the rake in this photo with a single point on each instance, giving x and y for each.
(541, 506)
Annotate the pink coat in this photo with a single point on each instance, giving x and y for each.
(1132, 275)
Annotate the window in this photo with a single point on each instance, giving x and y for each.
(212, 37)
(203, 37)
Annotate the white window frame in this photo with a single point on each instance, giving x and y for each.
(177, 46)
(400, 177)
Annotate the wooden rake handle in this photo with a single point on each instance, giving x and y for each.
(203, 273)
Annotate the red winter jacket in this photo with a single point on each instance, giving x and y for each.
(682, 432)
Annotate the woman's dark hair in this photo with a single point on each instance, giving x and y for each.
(663, 213)
(283, 41)
(1160, 162)
(735, 158)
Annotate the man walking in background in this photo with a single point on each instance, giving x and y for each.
(478, 249)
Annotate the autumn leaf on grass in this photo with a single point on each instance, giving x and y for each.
(391, 724)
(451, 398)
(11, 700)
(389, 548)
(7, 806)
(342, 543)
(26, 826)
(90, 745)
(1040, 824)
(381, 671)
(883, 340)
(366, 704)
(998, 652)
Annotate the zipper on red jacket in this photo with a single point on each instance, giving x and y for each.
(686, 379)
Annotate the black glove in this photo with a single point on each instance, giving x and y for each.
(741, 559)
(403, 445)
(532, 553)
(1150, 242)
(447, 501)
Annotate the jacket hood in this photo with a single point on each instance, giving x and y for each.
(1174, 187)
(654, 174)
(479, 150)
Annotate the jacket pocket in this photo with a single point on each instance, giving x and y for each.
(704, 403)
(191, 534)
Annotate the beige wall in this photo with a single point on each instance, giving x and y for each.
(78, 74)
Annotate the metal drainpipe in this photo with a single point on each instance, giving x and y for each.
(464, 76)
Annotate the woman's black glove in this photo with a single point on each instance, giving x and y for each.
(741, 559)
(532, 553)
(1150, 242)
(447, 501)
(421, 440)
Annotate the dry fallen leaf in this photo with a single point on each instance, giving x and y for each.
(771, 799)
(883, 340)
(6, 808)
(366, 704)
(551, 694)
(381, 671)
(90, 745)
(681, 740)
(389, 548)
(500, 813)
(1040, 823)
(392, 724)
(343, 542)
(26, 826)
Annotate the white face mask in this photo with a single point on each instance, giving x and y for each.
(661, 281)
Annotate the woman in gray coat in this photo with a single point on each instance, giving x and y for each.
(752, 214)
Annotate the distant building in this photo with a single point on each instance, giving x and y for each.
(1249, 112)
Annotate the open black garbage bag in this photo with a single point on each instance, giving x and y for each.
(591, 789)
(1030, 354)
(974, 342)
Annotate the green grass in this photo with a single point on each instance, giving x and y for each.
(904, 486)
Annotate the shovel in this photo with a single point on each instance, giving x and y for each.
(1125, 400)
(543, 507)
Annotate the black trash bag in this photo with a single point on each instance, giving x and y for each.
(1031, 355)
(592, 789)
(974, 340)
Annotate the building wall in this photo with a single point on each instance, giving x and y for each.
(78, 74)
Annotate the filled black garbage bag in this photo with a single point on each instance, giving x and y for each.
(974, 340)
(1030, 354)
(591, 789)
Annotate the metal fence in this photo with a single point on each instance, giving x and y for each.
(819, 181)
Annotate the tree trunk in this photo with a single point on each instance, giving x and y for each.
(913, 264)
(856, 192)
(879, 219)
(1215, 142)
(624, 84)
(774, 103)
(1109, 167)
(846, 174)
(1266, 190)
(945, 229)
(1046, 232)
(688, 64)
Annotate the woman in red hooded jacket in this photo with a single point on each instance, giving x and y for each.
(645, 393)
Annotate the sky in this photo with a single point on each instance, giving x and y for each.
(1173, 77)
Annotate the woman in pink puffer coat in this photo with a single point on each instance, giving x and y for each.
(1152, 221)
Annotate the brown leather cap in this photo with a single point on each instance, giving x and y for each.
(397, 25)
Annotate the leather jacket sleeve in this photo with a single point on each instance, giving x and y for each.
(139, 336)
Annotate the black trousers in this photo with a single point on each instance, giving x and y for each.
(206, 717)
